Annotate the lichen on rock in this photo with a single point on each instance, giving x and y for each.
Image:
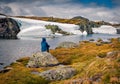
(42, 59)
(59, 73)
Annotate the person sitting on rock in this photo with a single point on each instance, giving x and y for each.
(44, 45)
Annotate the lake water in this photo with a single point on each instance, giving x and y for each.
(10, 50)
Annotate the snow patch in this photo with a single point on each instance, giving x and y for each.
(35, 31)
(105, 29)
(84, 33)
(58, 34)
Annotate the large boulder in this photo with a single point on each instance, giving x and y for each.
(42, 59)
(67, 45)
(112, 54)
(59, 73)
(118, 30)
(9, 28)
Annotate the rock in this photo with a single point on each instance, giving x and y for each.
(86, 27)
(112, 54)
(67, 45)
(91, 40)
(42, 59)
(106, 42)
(118, 30)
(1, 63)
(97, 77)
(9, 28)
(6, 70)
(99, 40)
(59, 73)
(98, 43)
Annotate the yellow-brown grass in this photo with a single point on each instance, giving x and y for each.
(84, 59)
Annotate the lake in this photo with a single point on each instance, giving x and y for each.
(11, 50)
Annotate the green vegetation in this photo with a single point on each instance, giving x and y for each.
(83, 58)
(55, 28)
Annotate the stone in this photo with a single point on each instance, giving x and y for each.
(6, 70)
(9, 28)
(106, 42)
(67, 45)
(99, 40)
(60, 73)
(98, 43)
(1, 63)
(42, 59)
(91, 40)
(112, 54)
(96, 77)
(118, 30)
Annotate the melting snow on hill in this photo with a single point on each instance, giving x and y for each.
(36, 28)
(105, 29)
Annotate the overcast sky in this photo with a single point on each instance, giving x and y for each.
(107, 10)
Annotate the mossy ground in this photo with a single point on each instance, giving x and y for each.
(88, 59)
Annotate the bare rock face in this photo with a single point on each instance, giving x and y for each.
(59, 73)
(67, 45)
(9, 28)
(42, 59)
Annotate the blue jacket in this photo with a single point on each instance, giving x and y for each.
(44, 45)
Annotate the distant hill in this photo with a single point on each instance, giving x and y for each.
(74, 20)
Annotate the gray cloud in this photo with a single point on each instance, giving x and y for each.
(5, 9)
(93, 13)
(60, 8)
(40, 1)
(21, 9)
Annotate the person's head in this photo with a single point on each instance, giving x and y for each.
(43, 39)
